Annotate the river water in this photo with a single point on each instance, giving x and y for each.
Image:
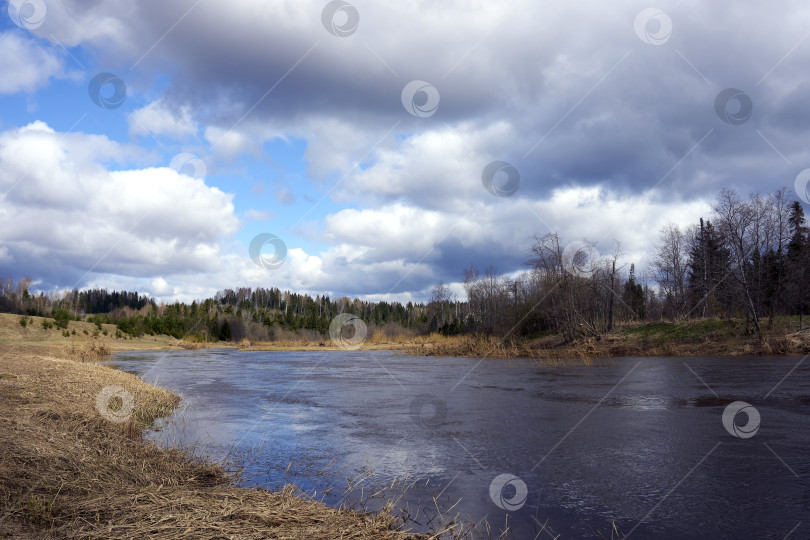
(636, 441)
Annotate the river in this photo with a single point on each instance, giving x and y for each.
(636, 441)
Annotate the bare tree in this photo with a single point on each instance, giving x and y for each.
(440, 296)
(670, 265)
(738, 226)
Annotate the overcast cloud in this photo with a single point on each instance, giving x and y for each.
(607, 113)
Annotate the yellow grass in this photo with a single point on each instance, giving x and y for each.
(75, 466)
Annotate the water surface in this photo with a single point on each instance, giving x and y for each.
(636, 441)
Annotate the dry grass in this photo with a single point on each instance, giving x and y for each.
(693, 338)
(191, 345)
(84, 351)
(553, 350)
(67, 471)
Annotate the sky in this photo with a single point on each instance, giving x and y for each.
(372, 149)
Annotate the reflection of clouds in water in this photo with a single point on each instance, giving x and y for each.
(300, 419)
(351, 415)
(386, 461)
(646, 403)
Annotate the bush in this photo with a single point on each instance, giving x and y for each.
(61, 317)
(46, 324)
(23, 322)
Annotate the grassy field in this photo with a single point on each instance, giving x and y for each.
(35, 334)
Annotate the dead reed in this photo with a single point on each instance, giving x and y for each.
(85, 351)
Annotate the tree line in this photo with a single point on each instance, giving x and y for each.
(748, 259)
(232, 314)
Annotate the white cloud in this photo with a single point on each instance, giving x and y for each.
(63, 212)
(233, 142)
(437, 168)
(159, 287)
(25, 65)
(610, 115)
(158, 118)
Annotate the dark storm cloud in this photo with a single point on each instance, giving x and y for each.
(600, 105)
(568, 94)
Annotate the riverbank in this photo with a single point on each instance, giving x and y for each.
(692, 338)
(74, 464)
(709, 337)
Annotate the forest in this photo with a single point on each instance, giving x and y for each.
(749, 259)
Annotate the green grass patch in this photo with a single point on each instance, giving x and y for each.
(685, 332)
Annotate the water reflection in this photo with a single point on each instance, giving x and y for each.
(618, 440)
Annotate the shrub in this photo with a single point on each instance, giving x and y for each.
(86, 352)
(23, 322)
(46, 324)
(61, 317)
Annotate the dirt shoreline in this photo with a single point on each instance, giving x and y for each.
(74, 464)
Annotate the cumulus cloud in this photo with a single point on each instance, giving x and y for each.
(159, 287)
(611, 135)
(25, 64)
(65, 215)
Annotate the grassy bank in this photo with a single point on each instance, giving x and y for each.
(75, 465)
(711, 337)
(688, 338)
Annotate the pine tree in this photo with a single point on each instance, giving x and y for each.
(634, 295)
(225, 332)
(798, 263)
(708, 270)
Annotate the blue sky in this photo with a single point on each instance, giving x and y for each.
(358, 133)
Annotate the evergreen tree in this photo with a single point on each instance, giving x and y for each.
(634, 295)
(225, 332)
(708, 269)
(798, 263)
